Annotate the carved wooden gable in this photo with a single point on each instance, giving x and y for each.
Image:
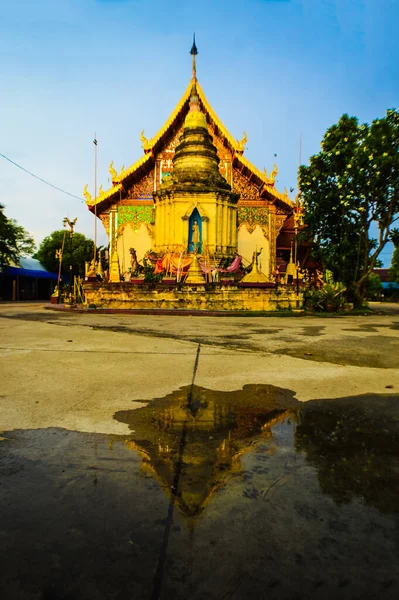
(143, 188)
(164, 158)
(241, 182)
(224, 153)
(248, 190)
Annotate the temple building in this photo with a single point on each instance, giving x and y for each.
(140, 212)
(195, 205)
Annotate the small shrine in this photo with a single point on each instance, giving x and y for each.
(193, 224)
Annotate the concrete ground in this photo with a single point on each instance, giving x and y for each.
(198, 457)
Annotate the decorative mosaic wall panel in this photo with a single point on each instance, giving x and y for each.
(252, 216)
(135, 215)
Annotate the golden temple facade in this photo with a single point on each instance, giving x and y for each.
(228, 208)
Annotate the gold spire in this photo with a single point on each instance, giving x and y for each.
(195, 274)
(194, 52)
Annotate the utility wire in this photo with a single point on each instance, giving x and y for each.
(40, 179)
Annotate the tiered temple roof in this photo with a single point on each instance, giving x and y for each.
(151, 147)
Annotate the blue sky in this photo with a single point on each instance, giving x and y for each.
(272, 68)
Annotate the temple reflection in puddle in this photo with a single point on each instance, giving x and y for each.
(192, 440)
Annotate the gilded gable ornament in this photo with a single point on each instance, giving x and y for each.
(87, 194)
(113, 173)
(273, 174)
(100, 191)
(242, 142)
(280, 220)
(145, 144)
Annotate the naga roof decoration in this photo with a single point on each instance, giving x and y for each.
(150, 146)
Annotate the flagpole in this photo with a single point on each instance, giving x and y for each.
(296, 221)
(95, 196)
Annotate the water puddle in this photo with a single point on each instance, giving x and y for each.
(193, 439)
(240, 494)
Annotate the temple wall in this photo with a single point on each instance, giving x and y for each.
(132, 236)
(130, 296)
(249, 242)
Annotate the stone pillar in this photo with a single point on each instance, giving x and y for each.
(224, 236)
(114, 275)
(217, 226)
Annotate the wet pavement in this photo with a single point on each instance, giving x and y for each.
(189, 473)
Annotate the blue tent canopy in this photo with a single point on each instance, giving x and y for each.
(390, 285)
(19, 272)
(30, 267)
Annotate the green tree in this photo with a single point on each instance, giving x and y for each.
(15, 241)
(394, 268)
(374, 287)
(77, 250)
(351, 184)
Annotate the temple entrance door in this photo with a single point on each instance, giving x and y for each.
(195, 232)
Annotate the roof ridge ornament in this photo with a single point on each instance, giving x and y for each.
(145, 144)
(273, 174)
(87, 194)
(270, 178)
(194, 52)
(241, 143)
(113, 173)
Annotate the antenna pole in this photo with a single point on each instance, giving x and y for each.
(300, 148)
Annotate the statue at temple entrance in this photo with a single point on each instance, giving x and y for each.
(195, 237)
(135, 267)
(195, 233)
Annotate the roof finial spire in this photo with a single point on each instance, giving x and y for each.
(194, 52)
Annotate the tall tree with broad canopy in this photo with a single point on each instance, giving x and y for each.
(351, 184)
(77, 250)
(394, 269)
(15, 241)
